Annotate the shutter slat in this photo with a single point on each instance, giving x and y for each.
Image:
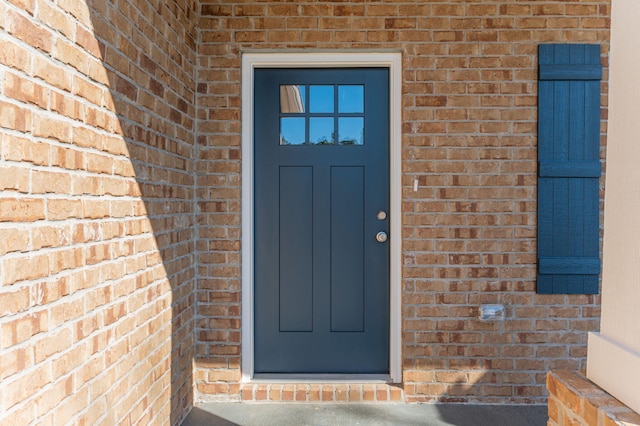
(569, 265)
(577, 195)
(569, 168)
(570, 72)
(576, 227)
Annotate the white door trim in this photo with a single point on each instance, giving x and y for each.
(390, 60)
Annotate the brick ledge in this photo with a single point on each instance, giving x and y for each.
(575, 400)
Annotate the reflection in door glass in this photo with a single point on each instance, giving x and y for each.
(292, 99)
(351, 99)
(321, 130)
(351, 130)
(292, 131)
(321, 98)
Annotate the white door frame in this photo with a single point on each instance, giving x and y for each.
(390, 60)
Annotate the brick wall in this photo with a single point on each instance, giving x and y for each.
(469, 137)
(118, 193)
(97, 275)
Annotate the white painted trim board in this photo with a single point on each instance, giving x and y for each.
(391, 60)
(614, 368)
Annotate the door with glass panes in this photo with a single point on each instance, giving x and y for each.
(321, 152)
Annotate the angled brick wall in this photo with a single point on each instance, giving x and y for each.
(469, 137)
(97, 132)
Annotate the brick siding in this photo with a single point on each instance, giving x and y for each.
(97, 268)
(468, 135)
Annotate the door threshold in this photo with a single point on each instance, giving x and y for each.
(316, 388)
(321, 378)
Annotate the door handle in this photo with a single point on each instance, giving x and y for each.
(381, 237)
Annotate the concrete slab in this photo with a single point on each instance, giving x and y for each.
(239, 414)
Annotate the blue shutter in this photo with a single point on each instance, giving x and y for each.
(569, 168)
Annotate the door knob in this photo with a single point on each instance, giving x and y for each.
(381, 237)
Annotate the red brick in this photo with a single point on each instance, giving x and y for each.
(381, 393)
(247, 393)
(55, 75)
(328, 393)
(50, 182)
(14, 117)
(23, 328)
(13, 55)
(315, 393)
(21, 209)
(55, 18)
(275, 393)
(14, 178)
(47, 127)
(72, 405)
(71, 55)
(87, 40)
(78, 10)
(26, 5)
(301, 393)
(58, 209)
(52, 344)
(25, 386)
(28, 31)
(288, 392)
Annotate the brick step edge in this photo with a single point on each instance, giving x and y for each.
(574, 400)
(321, 392)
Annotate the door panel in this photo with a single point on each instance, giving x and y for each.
(347, 249)
(321, 176)
(296, 249)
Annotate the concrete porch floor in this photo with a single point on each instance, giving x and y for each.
(229, 414)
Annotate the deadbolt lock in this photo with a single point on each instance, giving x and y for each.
(381, 237)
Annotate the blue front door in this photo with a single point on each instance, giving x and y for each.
(321, 150)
